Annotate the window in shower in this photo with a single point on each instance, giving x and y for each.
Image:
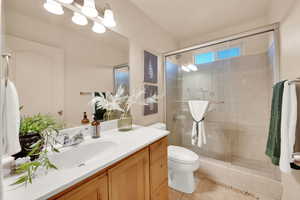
(228, 53)
(209, 57)
(204, 58)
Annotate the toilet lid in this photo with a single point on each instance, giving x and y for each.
(181, 154)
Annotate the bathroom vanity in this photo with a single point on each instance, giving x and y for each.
(134, 168)
(142, 175)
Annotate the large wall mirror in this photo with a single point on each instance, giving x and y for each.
(57, 66)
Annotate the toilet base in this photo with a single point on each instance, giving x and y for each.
(182, 181)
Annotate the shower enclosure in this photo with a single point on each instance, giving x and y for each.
(236, 77)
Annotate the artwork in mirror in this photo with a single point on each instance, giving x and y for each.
(58, 68)
(121, 78)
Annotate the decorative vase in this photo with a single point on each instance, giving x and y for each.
(26, 141)
(107, 115)
(125, 122)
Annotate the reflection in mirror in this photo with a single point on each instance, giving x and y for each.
(57, 66)
(121, 78)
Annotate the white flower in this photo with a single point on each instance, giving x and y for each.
(152, 99)
(122, 102)
(109, 101)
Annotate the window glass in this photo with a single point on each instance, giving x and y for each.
(228, 53)
(204, 58)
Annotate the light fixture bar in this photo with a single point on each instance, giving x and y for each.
(75, 7)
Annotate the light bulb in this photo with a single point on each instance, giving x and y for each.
(98, 28)
(89, 8)
(66, 1)
(109, 20)
(53, 7)
(193, 67)
(79, 19)
(185, 68)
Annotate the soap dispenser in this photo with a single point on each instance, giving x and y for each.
(85, 119)
(95, 128)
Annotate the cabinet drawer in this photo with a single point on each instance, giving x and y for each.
(162, 193)
(95, 189)
(158, 149)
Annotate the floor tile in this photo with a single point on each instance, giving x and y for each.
(175, 195)
(209, 190)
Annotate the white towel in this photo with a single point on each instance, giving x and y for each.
(198, 109)
(288, 126)
(11, 121)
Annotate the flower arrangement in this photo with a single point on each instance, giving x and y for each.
(122, 102)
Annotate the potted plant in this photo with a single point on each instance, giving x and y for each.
(42, 163)
(37, 137)
(31, 129)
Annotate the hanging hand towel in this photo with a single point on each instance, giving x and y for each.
(288, 126)
(198, 109)
(11, 121)
(273, 144)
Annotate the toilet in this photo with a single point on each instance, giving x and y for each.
(182, 164)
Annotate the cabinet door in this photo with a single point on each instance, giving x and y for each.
(159, 169)
(96, 189)
(161, 193)
(129, 180)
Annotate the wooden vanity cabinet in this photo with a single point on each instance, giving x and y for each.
(95, 189)
(141, 176)
(129, 180)
(159, 170)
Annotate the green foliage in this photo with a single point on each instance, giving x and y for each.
(37, 124)
(46, 143)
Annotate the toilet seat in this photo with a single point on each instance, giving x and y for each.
(182, 155)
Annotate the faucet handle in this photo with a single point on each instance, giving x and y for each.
(66, 139)
(78, 138)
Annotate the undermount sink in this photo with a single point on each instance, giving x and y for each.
(76, 156)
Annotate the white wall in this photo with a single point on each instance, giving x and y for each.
(143, 34)
(1, 96)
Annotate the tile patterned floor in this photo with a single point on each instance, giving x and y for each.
(209, 190)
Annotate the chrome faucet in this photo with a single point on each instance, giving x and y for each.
(76, 139)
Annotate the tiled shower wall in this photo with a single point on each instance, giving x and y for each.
(238, 126)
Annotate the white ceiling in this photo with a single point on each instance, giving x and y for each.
(188, 18)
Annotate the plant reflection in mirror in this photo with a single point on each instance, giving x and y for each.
(122, 102)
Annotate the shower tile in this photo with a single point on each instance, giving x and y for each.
(251, 146)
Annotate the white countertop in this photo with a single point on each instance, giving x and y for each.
(56, 181)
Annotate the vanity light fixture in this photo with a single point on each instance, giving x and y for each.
(66, 1)
(79, 19)
(98, 28)
(109, 20)
(193, 67)
(89, 8)
(83, 13)
(185, 68)
(53, 7)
